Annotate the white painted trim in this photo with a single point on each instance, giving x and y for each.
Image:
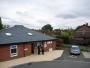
(49, 42)
(13, 54)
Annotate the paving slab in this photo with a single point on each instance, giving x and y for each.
(48, 56)
(86, 54)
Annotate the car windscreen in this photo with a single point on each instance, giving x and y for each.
(75, 48)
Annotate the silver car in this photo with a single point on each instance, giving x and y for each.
(75, 50)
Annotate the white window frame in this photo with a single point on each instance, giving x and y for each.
(45, 44)
(13, 54)
(49, 42)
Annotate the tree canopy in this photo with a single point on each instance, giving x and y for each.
(1, 25)
(47, 28)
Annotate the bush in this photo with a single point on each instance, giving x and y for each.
(60, 47)
(64, 38)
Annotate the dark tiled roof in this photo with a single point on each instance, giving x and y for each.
(19, 35)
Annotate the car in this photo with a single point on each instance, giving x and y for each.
(75, 50)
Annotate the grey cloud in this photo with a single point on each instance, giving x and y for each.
(79, 9)
(83, 13)
(22, 13)
(66, 16)
(82, 8)
(12, 22)
(42, 21)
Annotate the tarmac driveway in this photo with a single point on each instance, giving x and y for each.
(66, 56)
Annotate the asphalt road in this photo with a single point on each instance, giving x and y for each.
(65, 61)
(56, 64)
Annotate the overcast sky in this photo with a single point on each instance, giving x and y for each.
(36, 13)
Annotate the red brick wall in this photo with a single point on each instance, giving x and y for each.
(5, 51)
(23, 50)
(28, 49)
(20, 50)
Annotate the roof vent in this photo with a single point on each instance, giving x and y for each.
(29, 33)
(8, 34)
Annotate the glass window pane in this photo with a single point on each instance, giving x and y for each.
(13, 50)
(13, 46)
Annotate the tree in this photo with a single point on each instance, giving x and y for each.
(1, 25)
(64, 36)
(47, 28)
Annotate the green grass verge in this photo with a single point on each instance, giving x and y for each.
(62, 47)
(85, 49)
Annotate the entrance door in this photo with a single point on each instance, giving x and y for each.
(32, 48)
(35, 47)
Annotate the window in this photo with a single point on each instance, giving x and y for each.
(49, 42)
(45, 45)
(29, 33)
(8, 34)
(13, 50)
(37, 44)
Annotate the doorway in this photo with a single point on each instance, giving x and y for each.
(35, 47)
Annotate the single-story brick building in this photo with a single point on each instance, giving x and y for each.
(19, 41)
